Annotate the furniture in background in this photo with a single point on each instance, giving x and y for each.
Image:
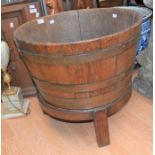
(15, 13)
(54, 6)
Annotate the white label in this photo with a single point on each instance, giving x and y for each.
(52, 21)
(31, 6)
(37, 14)
(11, 25)
(40, 21)
(33, 10)
(114, 15)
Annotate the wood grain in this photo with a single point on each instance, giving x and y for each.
(101, 127)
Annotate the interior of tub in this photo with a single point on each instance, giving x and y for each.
(74, 26)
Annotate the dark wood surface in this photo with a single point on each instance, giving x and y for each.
(81, 74)
(110, 3)
(82, 115)
(101, 127)
(13, 15)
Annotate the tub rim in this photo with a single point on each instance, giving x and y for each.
(87, 41)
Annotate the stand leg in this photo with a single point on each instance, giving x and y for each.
(101, 128)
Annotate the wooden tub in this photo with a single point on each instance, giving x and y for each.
(81, 63)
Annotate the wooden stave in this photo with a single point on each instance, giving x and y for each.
(86, 103)
(77, 47)
(81, 88)
(89, 106)
(61, 59)
(81, 115)
(69, 76)
(89, 99)
(90, 89)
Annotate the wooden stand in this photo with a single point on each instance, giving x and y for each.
(82, 73)
(101, 128)
(98, 115)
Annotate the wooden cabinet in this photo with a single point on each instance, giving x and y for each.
(14, 15)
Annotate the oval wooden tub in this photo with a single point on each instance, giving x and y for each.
(81, 63)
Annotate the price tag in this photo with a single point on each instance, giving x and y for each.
(114, 15)
(52, 21)
(40, 21)
(11, 25)
(33, 10)
(31, 6)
